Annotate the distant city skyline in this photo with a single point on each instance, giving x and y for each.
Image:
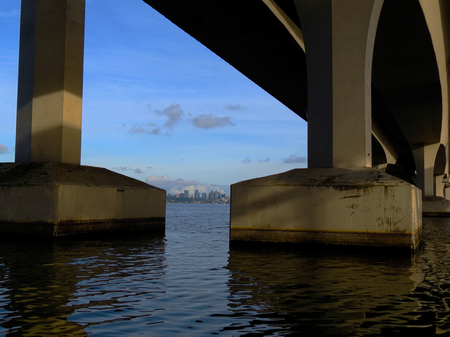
(160, 107)
(186, 196)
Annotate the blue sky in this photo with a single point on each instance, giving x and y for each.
(160, 107)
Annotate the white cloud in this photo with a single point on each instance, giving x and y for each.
(294, 159)
(235, 107)
(127, 168)
(121, 168)
(179, 185)
(210, 121)
(173, 113)
(4, 149)
(149, 128)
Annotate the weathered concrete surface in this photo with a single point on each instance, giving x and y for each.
(435, 207)
(338, 206)
(59, 199)
(50, 84)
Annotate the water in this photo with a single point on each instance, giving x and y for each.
(188, 282)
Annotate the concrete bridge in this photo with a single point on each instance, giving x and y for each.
(371, 79)
(369, 76)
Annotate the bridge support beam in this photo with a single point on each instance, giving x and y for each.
(50, 81)
(425, 157)
(339, 36)
(46, 190)
(339, 199)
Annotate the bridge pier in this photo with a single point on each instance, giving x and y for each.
(351, 206)
(46, 190)
(425, 157)
(339, 199)
(430, 168)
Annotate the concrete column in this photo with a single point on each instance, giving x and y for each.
(50, 81)
(339, 38)
(425, 157)
(439, 185)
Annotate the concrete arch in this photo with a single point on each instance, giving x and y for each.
(440, 166)
(407, 81)
(440, 162)
(379, 153)
(339, 39)
(287, 22)
(437, 16)
(405, 71)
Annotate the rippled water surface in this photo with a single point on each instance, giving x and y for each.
(189, 282)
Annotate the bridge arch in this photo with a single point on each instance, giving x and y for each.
(407, 98)
(440, 166)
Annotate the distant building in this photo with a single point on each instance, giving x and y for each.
(211, 195)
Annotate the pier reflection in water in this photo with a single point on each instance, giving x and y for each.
(61, 288)
(188, 282)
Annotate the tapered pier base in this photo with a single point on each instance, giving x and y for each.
(436, 207)
(55, 199)
(332, 206)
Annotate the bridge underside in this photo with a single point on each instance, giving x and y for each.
(393, 117)
(369, 76)
(407, 102)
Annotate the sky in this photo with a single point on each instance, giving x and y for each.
(160, 107)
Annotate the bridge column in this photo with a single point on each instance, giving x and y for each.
(340, 36)
(50, 81)
(340, 198)
(46, 190)
(425, 157)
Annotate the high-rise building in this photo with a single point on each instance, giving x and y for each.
(196, 194)
(204, 196)
(186, 193)
(211, 195)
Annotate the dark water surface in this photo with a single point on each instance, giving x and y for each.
(188, 282)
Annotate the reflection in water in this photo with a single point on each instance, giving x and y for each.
(188, 282)
(319, 292)
(340, 293)
(61, 287)
(432, 275)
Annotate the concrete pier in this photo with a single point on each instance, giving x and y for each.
(340, 198)
(332, 206)
(49, 97)
(436, 207)
(46, 191)
(55, 199)
(371, 77)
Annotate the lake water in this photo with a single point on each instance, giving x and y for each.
(189, 282)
